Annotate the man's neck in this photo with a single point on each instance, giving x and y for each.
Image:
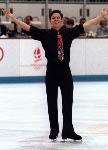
(56, 28)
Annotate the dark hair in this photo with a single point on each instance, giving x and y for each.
(101, 22)
(55, 11)
(31, 18)
(70, 22)
(82, 19)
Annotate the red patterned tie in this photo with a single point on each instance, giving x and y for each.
(60, 47)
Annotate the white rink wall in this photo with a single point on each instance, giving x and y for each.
(26, 57)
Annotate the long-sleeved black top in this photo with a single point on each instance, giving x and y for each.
(48, 38)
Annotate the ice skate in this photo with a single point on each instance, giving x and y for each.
(71, 135)
(53, 136)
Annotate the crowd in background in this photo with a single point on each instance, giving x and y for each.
(101, 31)
(12, 30)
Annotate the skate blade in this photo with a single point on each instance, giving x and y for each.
(53, 140)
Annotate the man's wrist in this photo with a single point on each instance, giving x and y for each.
(13, 18)
(101, 15)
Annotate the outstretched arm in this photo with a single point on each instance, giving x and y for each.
(91, 22)
(18, 22)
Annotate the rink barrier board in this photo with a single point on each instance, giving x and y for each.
(23, 60)
(41, 79)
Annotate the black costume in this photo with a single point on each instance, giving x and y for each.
(58, 73)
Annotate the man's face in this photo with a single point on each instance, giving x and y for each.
(56, 21)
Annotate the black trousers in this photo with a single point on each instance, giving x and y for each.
(59, 75)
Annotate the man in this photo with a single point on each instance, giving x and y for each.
(12, 30)
(27, 20)
(65, 19)
(82, 21)
(56, 43)
(103, 29)
(2, 29)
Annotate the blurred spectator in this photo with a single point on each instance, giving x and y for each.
(103, 29)
(70, 23)
(12, 32)
(82, 21)
(27, 20)
(65, 19)
(3, 29)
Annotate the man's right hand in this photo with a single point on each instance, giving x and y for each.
(7, 13)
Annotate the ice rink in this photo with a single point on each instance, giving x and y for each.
(24, 123)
